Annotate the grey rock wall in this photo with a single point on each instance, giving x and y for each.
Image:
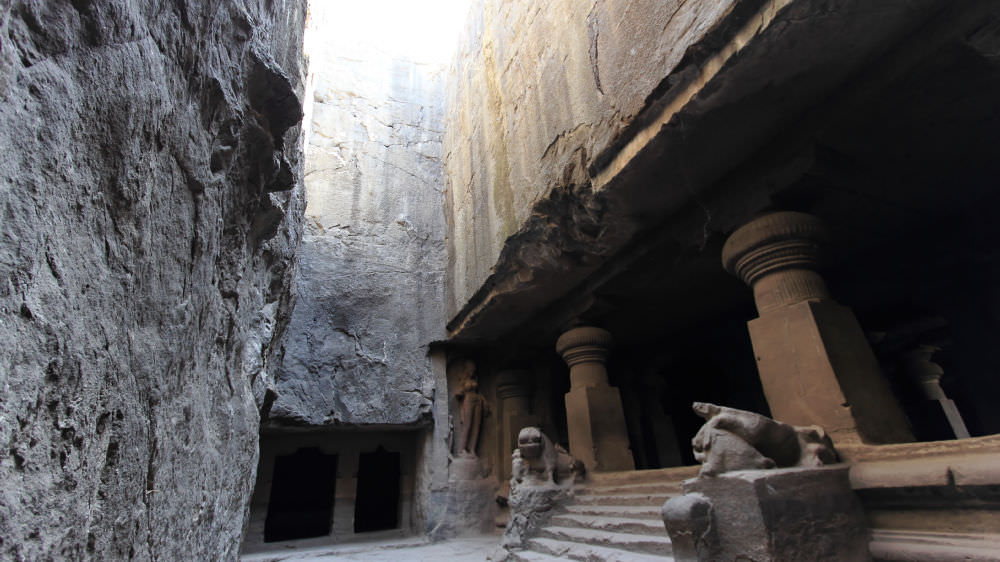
(149, 211)
(369, 297)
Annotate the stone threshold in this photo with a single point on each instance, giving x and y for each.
(917, 546)
(962, 462)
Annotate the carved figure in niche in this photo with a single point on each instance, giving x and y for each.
(473, 407)
(537, 460)
(734, 439)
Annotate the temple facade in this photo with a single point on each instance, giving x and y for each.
(614, 280)
(780, 207)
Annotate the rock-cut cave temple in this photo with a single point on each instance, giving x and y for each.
(265, 287)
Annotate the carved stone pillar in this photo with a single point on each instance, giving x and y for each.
(346, 491)
(918, 365)
(815, 363)
(514, 394)
(594, 415)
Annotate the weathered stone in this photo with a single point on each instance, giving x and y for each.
(538, 461)
(543, 476)
(150, 205)
(731, 513)
(372, 259)
(542, 155)
(468, 502)
(769, 515)
(544, 90)
(738, 440)
(473, 408)
(688, 520)
(514, 393)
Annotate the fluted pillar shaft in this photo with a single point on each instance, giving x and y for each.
(594, 415)
(815, 364)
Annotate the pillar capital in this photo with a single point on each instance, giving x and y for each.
(512, 383)
(586, 344)
(777, 255)
(917, 363)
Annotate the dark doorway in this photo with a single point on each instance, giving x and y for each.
(376, 505)
(302, 491)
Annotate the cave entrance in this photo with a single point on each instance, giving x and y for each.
(376, 505)
(302, 492)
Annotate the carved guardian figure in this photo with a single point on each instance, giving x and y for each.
(734, 439)
(537, 460)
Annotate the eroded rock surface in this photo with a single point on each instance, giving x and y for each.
(150, 200)
(539, 91)
(372, 258)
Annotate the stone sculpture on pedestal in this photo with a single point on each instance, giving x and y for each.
(472, 485)
(765, 493)
(737, 440)
(537, 461)
(473, 408)
(543, 475)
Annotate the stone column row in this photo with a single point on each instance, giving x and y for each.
(814, 361)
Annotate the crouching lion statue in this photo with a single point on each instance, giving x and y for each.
(734, 439)
(537, 460)
(542, 476)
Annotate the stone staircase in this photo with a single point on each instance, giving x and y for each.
(614, 516)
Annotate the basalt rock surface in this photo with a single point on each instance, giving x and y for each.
(372, 257)
(150, 206)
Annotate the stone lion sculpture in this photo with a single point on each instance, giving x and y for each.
(542, 476)
(734, 439)
(537, 460)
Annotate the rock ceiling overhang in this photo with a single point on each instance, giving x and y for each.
(741, 113)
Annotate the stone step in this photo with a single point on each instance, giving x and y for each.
(616, 524)
(568, 550)
(534, 556)
(675, 474)
(628, 511)
(640, 488)
(658, 545)
(624, 499)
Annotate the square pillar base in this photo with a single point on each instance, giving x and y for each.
(817, 368)
(595, 420)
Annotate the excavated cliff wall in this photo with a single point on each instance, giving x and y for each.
(370, 289)
(540, 95)
(150, 206)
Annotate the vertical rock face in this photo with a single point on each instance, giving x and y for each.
(537, 95)
(149, 210)
(372, 258)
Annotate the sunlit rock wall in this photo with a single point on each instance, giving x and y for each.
(537, 94)
(150, 204)
(369, 294)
